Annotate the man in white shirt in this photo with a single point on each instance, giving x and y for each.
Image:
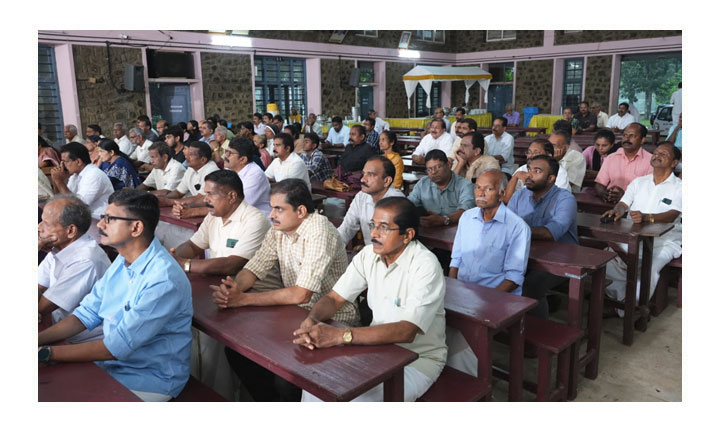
(376, 184)
(166, 173)
(338, 135)
(71, 135)
(287, 164)
(676, 101)
(405, 291)
(602, 117)
(459, 115)
(437, 138)
(380, 124)
(256, 187)
(656, 197)
(122, 140)
(573, 161)
(79, 176)
(500, 145)
(312, 125)
(74, 263)
(187, 198)
(141, 155)
(440, 114)
(618, 122)
(258, 125)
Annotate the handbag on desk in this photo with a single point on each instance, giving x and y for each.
(350, 178)
(335, 184)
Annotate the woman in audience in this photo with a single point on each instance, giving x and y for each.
(595, 155)
(246, 130)
(47, 155)
(117, 166)
(388, 145)
(193, 131)
(295, 133)
(91, 144)
(261, 143)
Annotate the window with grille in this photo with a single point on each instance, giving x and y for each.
(367, 33)
(501, 35)
(572, 83)
(281, 81)
(49, 107)
(421, 98)
(430, 35)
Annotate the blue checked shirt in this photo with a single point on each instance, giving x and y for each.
(318, 165)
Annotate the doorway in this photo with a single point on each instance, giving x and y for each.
(170, 102)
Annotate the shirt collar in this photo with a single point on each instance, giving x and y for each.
(73, 249)
(405, 257)
(237, 214)
(169, 165)
(499, 214)
(451, 184)
(303, 228)
(547, 195)
(145, 258)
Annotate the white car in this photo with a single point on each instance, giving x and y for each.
(661, 119)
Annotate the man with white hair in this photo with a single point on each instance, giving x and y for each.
(141, 155)
(70, 132)
(121, 139)
(220, 144)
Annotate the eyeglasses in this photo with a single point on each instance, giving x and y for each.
(108, 218)
(382, 229)
(434, 169)
(228, 153)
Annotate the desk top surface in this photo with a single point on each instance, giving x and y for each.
(317, 188)
(591, 222)
(166, 215)
(264, 335)
(80, 382)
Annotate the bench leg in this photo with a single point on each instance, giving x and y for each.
(517, 348)
(544, 372)
(660, 298)
(630, 290)
(394, 388)
(645, 278)
(563, 372)
(595, 323)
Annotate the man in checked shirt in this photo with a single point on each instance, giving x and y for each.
(305, 250)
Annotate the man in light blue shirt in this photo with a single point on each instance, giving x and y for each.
(551, 213)
(492, 244)
(339, 134)
(143, 302)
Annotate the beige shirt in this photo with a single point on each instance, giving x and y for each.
(574, 164)
(313, 257)
(411, 289)
(193, 182)
(167, 179)
(481, 163)
(241, 235)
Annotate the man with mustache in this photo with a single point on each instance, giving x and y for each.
(463, 127)
(405, 291)
(256, 187)
(469, 157)
(625, 165)
(551, 213)
(618, 122)
(357, 152)
(143, 303)
(167, 171)
(656, 197)
(491, 249)
(376, 184)
(299, 261)
(438, 138)
(499, 144)
(287, 164)
(572, 160)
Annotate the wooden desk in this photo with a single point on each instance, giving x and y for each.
(80, 382)
(317, 188)
(264, 335)
(410, 166)
(588, 202)
(410, 179)
(624, 231)
(337, 151)
(479, 313)
(166, 215)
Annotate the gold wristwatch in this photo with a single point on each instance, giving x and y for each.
(347, 336)
(651, 219)
(187, 266)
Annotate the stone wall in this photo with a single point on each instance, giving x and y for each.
(385, 39)
(533, 85)
(227, 86)
(597, 80)
(472, 41)
(587, 36)
(395, 96)
(100, 102)
(338, 97)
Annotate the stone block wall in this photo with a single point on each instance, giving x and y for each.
(102, 102)
(533, 85)
(472, 41)
(338, 97)
(227, 86)
(395, 96)
(597, 80)
(588, 36)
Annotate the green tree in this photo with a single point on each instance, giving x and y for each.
(659, 76)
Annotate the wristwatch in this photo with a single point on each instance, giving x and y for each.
(187, 266)
(446, 220)
(44, 354)
(347, 336)
(651, 218)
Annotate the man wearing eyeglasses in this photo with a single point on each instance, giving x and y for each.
(405, 290)
(143, 302)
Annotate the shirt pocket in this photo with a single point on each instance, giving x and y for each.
(493, 260)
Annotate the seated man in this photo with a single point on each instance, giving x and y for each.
(167, 171)
(358, 152)
(78, 176)
(618, 122)
(459, 115)
(512, 116)
(551, 213)
(566, 125)
(376, 184)
(587, 122)
(373, 137)
(463, 127)
(573, 161)
(187, 198)
(286, 164)
(656, 197)
(491, 249)
(74, 263)
(298, 262)
(406, 292)
(469, 158)
(538, 146)
(232, 231)
(443, 194)
(141, 155)
(255, 185)
(500, 144)
(143, 303)
(437, 138)
(316, 162)
(625, 165)
(338, 135)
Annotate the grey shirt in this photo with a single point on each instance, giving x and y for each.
(457, 195)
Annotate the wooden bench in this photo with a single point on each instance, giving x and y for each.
(195, 391)
(660, 298)
(456, 386)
